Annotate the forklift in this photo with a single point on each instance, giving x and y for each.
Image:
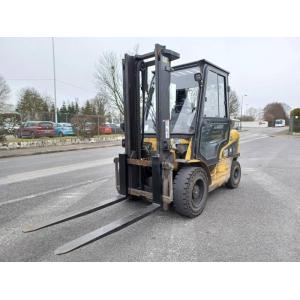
(179, 144)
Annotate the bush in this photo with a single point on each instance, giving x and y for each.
(295, 112)
(246, 118)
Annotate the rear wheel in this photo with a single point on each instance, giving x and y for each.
(61, 134)
(235, 175)
(190, 191)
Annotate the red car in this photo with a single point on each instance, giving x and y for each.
(35, 129)
(105, 129)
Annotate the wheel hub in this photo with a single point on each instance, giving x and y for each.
(197, 192)
(236, 174)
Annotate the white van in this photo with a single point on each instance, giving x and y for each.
(279, 123)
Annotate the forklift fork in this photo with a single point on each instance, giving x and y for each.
(72, 215)
(106, 230)
(98, 233)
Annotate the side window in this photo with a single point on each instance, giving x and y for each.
(215, 105)
(222, 103)
(211, 109)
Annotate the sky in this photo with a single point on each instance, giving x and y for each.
(264, 69)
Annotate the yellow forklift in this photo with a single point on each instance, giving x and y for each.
(178, 142)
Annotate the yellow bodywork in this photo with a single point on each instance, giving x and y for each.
(221, 172)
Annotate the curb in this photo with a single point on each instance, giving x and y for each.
(58, 150)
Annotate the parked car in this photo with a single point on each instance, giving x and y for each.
(36, 129)
(64, 129)
(116, 128)
(86, 129)
(105, 129)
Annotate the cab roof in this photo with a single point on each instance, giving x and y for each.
(200, 63)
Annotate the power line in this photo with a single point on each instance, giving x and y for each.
(76, 86)
(50, 79)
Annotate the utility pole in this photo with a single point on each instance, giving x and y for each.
(54, 81)
(242, 111)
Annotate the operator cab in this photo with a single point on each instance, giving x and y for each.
(198, 108)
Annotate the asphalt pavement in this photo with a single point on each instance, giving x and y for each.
(259, 221)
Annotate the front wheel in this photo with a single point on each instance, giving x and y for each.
(235, 175)
(190, 191)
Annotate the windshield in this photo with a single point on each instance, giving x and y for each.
(183, 102)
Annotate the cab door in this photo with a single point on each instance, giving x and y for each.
(214, 123)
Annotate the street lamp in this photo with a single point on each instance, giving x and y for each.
(54, 80)
(245, 95)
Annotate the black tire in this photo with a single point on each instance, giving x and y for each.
(190, 191)
(32, 135)
(235, 175)
(60, 134)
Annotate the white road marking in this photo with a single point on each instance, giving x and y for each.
(11, 232)
(253, 139)
(54, 171)
(61, 201)
(248, 169)
(63, 188)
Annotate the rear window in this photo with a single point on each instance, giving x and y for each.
(46, 125)
(29, 124)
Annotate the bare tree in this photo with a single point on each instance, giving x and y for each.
(253, 112)
(109, 80)
(4, 94)
(100, 105)
(234, 104)
(273, 111)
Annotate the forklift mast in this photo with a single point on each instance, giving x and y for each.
(135, 87)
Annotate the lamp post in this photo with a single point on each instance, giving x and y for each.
(54, 80)
(242, 110)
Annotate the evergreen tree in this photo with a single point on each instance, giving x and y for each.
(63, 113)
(87, 109)
(31, 104)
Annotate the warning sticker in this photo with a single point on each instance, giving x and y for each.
(167, 128)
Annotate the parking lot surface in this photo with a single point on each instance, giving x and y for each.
(259, 221)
